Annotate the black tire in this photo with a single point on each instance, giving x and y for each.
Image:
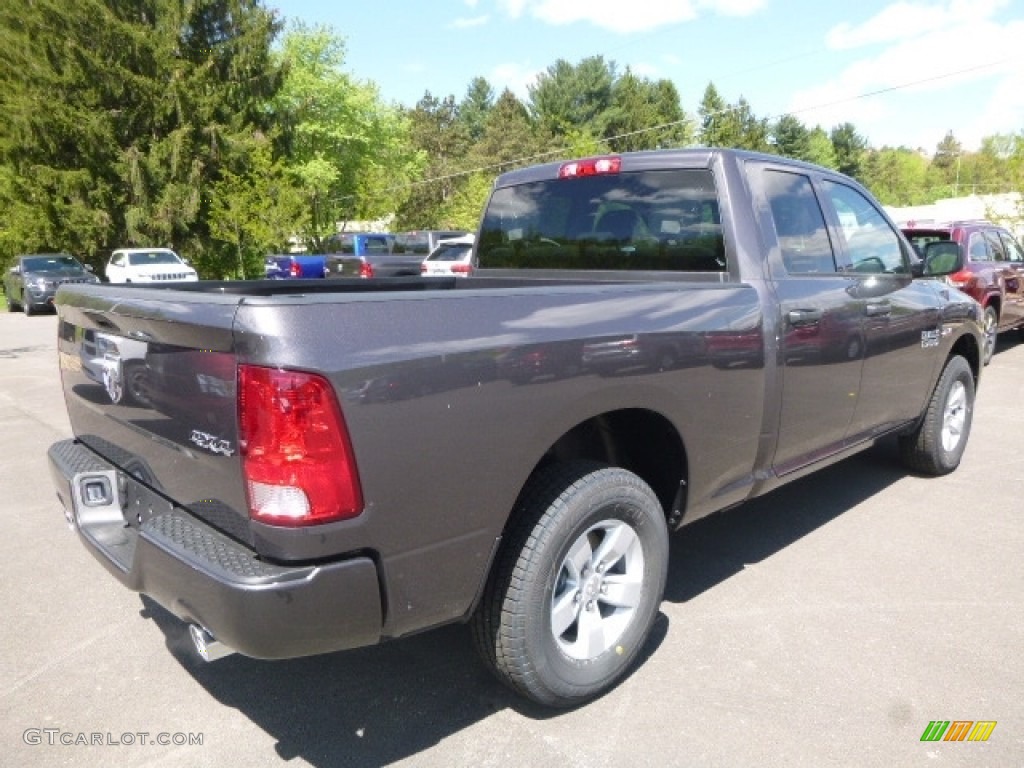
(554, 567)
(12, 305)
(26, 305)
(938, 443)
(990, 332)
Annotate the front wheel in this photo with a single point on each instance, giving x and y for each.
(938, 443)
(989, 330)
(576, 588)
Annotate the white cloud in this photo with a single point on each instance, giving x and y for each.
(514, 76)
(904, 20)
(476, 21)
(876, 94)
(635, 16)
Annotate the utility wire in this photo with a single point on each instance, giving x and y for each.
(524, 161)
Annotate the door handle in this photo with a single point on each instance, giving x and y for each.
(804, 316)
(882, 309)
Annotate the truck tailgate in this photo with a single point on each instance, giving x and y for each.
(155, 395)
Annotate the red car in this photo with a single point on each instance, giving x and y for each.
(993, 272)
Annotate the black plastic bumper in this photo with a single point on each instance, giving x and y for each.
(259, 609)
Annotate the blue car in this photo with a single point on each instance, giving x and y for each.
(294, 265)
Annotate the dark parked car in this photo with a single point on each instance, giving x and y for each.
(33, 280)
(993, 272)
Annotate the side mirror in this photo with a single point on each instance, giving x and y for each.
(88, 267)
(943, 257)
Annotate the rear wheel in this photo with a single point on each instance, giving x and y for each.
(938, 443)
(577, 585)
(12, 305)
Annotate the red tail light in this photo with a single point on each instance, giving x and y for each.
(298, 462)
(960, 279)
(365, 269)
(423, 268)
(295, 269)
(462, 269)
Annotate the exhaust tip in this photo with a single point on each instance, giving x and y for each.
(207, 646)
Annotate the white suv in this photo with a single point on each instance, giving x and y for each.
(148, 265)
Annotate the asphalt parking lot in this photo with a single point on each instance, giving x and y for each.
(824, 625)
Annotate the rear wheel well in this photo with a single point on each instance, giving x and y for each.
(641, 441)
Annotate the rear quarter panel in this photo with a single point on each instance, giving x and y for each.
(452, 399)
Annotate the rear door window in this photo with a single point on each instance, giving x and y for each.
(799, 224)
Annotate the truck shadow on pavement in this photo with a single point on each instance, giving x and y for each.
(379, 705)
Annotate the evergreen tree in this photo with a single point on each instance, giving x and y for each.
(791, 138)
(849, 147)
(439, 134)
(645, 115)
(474, 108)
(510, 138)
(567, 97)
(118, 116)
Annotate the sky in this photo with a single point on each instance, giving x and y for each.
(903, 73)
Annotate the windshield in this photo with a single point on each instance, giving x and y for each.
(152, 257)
(51, 263)
(650, 220)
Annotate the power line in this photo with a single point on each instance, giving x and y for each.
(520, 162)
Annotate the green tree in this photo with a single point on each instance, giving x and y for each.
(349, 151)
(463, 209)
(439, 135)
(254, 212)
(646, 115)
(116, 116)
(712, 111)
(475, 106)
(895, 176)
(791, 138)
(566, 97)
(730, 125)
(510, 139)
(820, 149)
(849, 148)
(209, 87)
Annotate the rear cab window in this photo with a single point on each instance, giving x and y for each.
(651, 220)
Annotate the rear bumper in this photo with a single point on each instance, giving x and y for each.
(259, 609)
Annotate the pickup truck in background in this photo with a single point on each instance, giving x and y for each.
(295, 265)
(362, 254)
(645, 339)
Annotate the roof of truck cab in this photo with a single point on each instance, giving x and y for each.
(655, 159)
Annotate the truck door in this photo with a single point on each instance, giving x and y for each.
(821, 340)
(900, 317)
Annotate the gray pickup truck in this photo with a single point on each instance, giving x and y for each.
(318, 465)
